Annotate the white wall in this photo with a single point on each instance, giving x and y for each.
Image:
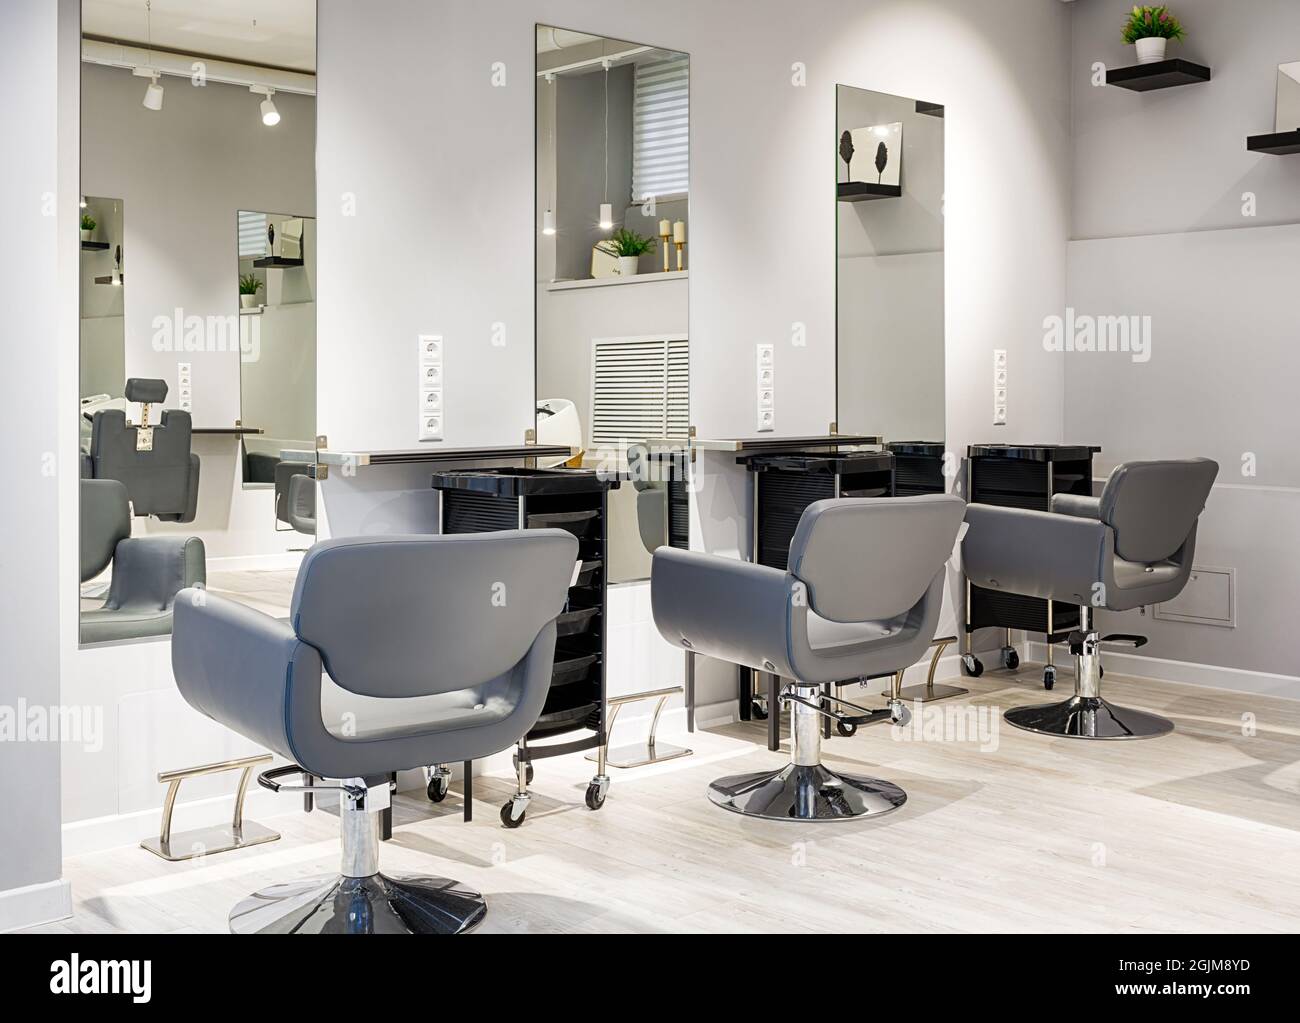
(1159, 214)
(39, 268)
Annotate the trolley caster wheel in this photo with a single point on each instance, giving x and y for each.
(758, 710)
(1049, 677)
(971, 665)
(845, 729)
(508, 818)
(1010, 659)
(898, 712)
(439, 786)
(528, 773)
(595, 797)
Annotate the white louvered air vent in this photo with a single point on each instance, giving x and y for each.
(252, 234)
(640, 389)
(661, 129)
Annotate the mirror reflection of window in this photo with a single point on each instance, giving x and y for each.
(178, 389)
(613, 258)
(889, 153)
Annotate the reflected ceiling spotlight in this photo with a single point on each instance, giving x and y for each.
(270, 116)
(83, 202)
(153, 93)
(548, 222)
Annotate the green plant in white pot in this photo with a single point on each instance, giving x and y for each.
(629, 247)
(88, 226)
(1150, 29)
(249, 286)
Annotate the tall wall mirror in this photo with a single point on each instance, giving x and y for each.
(889, 157)
(613, 264)
(198, 377)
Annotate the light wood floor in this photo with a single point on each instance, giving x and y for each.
(1198, 831)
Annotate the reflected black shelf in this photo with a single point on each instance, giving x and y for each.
(1163, 74)
(863, 191)
(95, 246)
(108, 279)
(276, 262)
(1279, 143)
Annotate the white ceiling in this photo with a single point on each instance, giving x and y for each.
(274, 33)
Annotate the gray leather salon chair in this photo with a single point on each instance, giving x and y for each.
(1130, 547)
(155, 463)
(148, 571)
(438, 649)
(860, 599)
(295, 496)
(651, 499)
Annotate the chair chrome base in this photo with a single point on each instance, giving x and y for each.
(1088, 717)
(805, 794)
(360, 905)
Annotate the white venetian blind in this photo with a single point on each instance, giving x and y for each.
(640, 389)
(661, 129)
(252, 234)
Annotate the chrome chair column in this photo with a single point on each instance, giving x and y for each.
(1086, 715)
(805, 789)
(358, 899)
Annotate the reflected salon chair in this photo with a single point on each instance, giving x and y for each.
(860, 599)
(295, 496)
(148, 571)
(651, 499)
(154, 462)
(437, 648)
(1130, 547)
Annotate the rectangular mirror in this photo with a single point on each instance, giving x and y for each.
(613, 349)
(1288, 97)
(197, 414)
(889, 158)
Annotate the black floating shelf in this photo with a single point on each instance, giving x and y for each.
(862, 191)
(276, 262)
(933, 109)
(1281, 143)
(96, 246)
(1163, 74)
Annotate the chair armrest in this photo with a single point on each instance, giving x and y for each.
(148, 571)
(1077, 505)
(722, 607)
(243, 669)
(1038, 554)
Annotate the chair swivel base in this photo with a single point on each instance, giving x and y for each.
(360, 905)
(803, 793)
(1088, 717)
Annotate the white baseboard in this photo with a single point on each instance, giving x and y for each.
(35, 904)
(1209, 676)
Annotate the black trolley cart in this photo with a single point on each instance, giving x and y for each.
(576, 500)
(1022, 476)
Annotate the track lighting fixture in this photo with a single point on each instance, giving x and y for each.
(548, 222)
(270, 116)
(153, 93)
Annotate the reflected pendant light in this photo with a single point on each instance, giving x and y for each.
(548, 218)
(606, 210)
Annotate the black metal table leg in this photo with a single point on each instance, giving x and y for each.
(746, 692)
(469, 791)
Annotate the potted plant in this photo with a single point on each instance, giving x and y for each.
(629, 247)
(1150, 29)
(249, 286)
(88, 226)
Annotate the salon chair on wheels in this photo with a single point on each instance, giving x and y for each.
(1130, 547)
(861, 598)
(438, 649)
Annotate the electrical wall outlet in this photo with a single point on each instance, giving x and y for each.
(431, 387)
(184, 387)
(1000, 387)
(766, 379)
